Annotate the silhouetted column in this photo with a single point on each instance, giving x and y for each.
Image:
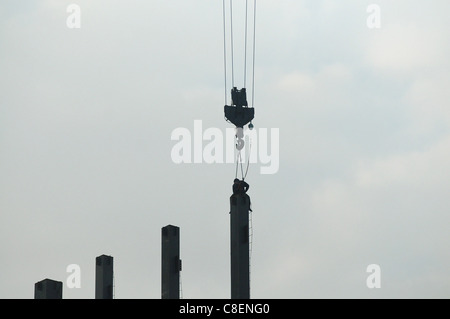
(48, 289)
(170, 262)
(104, 277)
(240, 263)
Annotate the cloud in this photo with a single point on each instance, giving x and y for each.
(391, 211)
(404, 49)
(428, 97)
(307, 86)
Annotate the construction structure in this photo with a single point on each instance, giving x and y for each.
(104, 277)
(48, 289)
(170, 262)
(239, 246)
(239, 113)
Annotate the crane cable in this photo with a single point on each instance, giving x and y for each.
(224, 49)
(231, 31)
(239, 158)
(239, 161)
(254, 50)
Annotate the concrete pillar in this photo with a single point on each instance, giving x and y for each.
(48, 289)
(240, 263)
(170, 262)
(104, 277)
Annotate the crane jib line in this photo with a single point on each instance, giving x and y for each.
(235, 30)
(238, 112)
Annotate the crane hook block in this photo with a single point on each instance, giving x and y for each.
(238, 112)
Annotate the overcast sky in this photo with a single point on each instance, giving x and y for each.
(87, 115)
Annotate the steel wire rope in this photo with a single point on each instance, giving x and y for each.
(245, 44)
(232, 43)
(248, 158)
(254, 50)
(224, 49)
(239, 158)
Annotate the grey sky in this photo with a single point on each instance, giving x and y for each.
(86, 117)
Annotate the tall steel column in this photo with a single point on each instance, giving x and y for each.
(104, 277)
(170, 262)
(240, 263)
(48, 289)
